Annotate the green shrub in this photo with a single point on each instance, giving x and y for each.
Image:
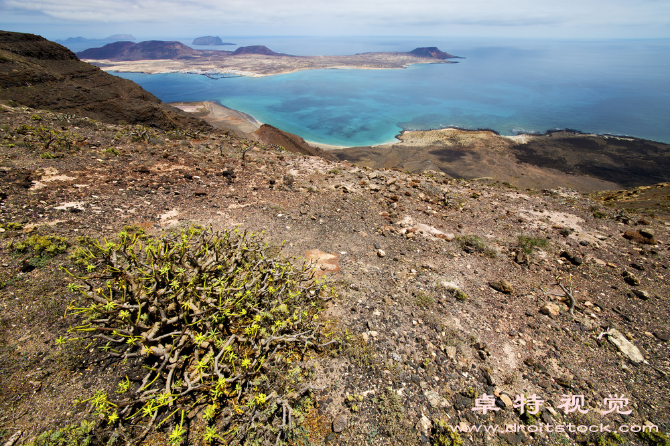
(49, 245)
(113, 151)
(47, 156)
(443, 435)
(218, 322)
(528, 244)
(36, 118)
(12, 226)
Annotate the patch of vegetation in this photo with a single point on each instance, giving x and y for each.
(654, 438)
(47, 156)
(68, 435)
(222, 329)
(49, 245)
(424, 300)
(392, 420)
(443, 435)
(113, 151)
(36, 117)
(529, 244)
(476, 244)
(353, 402)
(360, 352)
(609, 439)
(11, 226)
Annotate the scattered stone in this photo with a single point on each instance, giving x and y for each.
(521, 258)
(637, 266)
(424, 425)
(322, 262)
(507, 400)
(624, 345)
(572, 258)
(642, 294)
(563, 381)
(340, 423)
(647, 233)
(381, 253)
(502, 286)
(434, 399)
(462, 402)
(630, 278)
(511, 438)
(488, 377)
(550, 309)
(450, 351)
(200, 192)
(637, 237)
(662, 335)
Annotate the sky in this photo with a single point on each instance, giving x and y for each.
(155, 19)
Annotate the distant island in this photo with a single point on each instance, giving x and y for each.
(257, 60)
(113, 37)
(210, 40)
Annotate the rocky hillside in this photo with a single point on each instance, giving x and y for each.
(42, 74)
(431, 53)
(270, 135)
(452, 308)
(255, 49)
(149, 50)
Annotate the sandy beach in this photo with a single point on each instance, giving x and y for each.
(220, 116)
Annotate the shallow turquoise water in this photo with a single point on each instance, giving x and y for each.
(616, 87)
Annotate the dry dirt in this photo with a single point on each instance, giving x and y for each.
(417, 261)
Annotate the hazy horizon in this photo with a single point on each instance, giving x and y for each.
(149, 19)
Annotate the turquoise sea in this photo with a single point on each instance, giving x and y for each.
(612, 86)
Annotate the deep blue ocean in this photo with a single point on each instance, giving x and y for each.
(617, 87)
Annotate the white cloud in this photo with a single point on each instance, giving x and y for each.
(391, 15)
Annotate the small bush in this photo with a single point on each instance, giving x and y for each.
(218, 322)
(49, 245)
(443, 435)
(424, 300)
(47, 156)
(528, 244)
(36, 118)
(476, 244)
(113, 151)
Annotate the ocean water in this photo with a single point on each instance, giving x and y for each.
(617, 87)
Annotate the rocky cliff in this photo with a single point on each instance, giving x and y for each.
(45, 75)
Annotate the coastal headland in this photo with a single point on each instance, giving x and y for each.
(581, 161)
(170, 57)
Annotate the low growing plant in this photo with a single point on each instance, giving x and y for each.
(220, 326)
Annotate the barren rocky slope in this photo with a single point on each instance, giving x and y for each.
(445, 290)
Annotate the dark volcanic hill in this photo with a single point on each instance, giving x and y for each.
(209, 40)
(431, 52)
(149, 50)
(255, 49)
(45, 75)
(266, 134)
